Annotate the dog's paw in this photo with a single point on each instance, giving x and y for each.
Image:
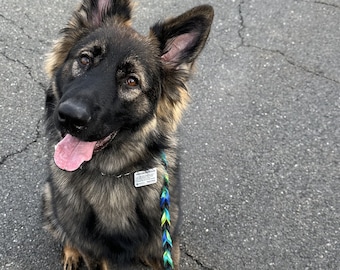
(71, 258)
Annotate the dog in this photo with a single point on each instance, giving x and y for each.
(112, 109)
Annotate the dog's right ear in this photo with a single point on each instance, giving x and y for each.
(91, 14)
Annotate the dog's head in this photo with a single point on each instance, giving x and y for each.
(108, 79)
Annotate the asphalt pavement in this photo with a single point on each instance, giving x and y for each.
(259, 143)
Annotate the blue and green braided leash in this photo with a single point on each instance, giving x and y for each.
(165, 220)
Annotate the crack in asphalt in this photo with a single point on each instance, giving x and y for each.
(14, 23)
(197, 261)
(327, 4)
(22, 29)
(7, 19)
(292, 62)
(28, 68)
(18, 62)
(37, 136)
(241, 19)
(288, 59)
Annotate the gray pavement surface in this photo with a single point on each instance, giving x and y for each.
(259, 144)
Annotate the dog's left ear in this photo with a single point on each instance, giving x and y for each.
(183, 38)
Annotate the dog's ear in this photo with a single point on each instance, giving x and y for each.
(90, 15)
(98, 12)
(182, 38)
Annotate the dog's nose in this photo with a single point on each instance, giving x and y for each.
(73, 115)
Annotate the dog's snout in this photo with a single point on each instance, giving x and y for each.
(73, 115)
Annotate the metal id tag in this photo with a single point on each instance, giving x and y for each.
(145, 178)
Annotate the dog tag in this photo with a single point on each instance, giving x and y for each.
(145, 178)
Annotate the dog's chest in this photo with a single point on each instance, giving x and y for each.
(115, 202)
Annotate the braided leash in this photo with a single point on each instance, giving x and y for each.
(165, 220)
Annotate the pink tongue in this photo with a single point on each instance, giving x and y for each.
(71, 152)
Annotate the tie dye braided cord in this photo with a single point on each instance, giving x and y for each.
(165, 220)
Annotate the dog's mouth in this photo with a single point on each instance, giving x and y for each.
(70, 153)
(101, 144)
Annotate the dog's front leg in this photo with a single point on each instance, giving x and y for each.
(71, 258)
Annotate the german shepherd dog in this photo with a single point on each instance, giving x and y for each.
(112, 110)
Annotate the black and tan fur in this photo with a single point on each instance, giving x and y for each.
(135, 86)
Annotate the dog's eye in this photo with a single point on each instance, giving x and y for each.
(85, 60)
(132, 82)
